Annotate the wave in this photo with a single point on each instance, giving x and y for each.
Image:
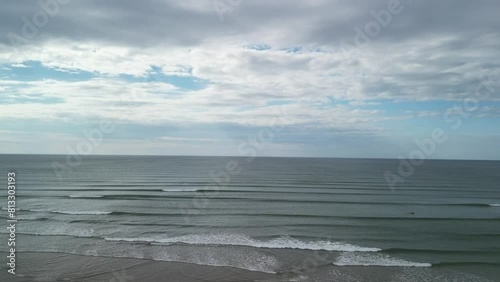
(371, 218)
(73, 212)
(85, 196)
(226, 195)
(440, 251)
(182, 190)
(477, 205)
(366, 259)
(17, 209)
(255, 261)
(83, 212)
(241, 240)
(63, 232)
(28, 218)
(445, 264)
(308, 216)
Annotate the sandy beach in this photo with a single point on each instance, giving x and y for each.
(66, 267)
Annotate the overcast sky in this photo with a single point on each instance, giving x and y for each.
(300, 78)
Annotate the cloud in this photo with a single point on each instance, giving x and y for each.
(260, 57)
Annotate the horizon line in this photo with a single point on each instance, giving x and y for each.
(235, 156)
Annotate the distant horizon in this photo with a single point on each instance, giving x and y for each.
(256, 157)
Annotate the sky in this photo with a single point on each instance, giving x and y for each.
(305, 78)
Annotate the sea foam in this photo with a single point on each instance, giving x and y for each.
(181, 190)
(366, 259)
(241, 240)
(73, 212)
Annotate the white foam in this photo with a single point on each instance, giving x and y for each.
(85, 196)
(253, 260)
(494, 205)
(241, 240)
(73, 212)
(4, 209)
(64, 232)
(138, 239)
(181, 190)
(37, 210)
(366, 259)
(83, 212)
(27, 217)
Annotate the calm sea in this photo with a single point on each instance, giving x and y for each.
(303, 219)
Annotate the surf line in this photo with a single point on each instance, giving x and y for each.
(11, 221)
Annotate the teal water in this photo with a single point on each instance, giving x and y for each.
(297, 217)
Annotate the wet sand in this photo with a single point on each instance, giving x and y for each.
(65, 267)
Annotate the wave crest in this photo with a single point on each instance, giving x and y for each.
(241, 240)
(181, 190)
(73, 212)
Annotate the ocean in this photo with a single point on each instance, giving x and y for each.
(284, 219)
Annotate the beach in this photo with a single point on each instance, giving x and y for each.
(65, 267)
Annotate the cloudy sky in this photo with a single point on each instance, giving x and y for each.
(320, 78)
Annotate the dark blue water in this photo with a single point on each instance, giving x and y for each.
(300, 218)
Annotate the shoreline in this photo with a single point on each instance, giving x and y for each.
(56, 266)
